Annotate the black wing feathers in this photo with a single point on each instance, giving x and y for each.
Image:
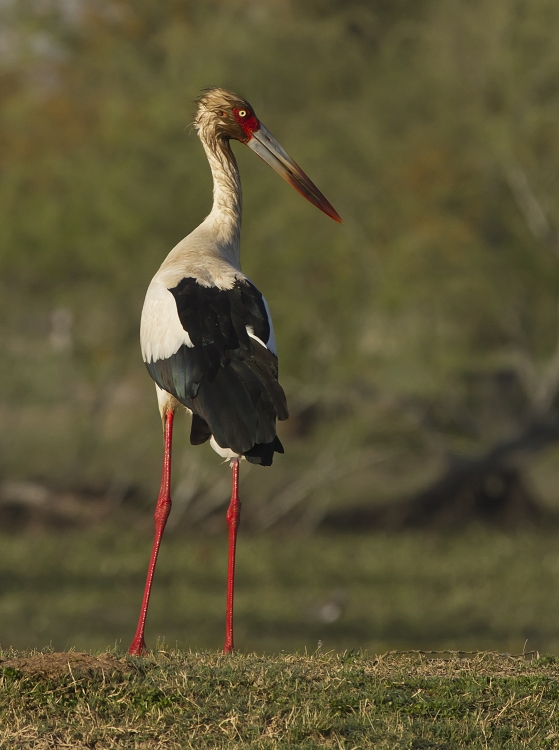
(227, 378)
(199, 431)
(212, 315)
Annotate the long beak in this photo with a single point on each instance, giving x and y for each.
(265, 145)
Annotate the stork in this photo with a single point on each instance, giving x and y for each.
(206, 332)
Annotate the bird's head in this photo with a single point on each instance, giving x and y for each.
(222, 115)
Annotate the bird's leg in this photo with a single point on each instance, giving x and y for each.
(162, 510)
(233, 518)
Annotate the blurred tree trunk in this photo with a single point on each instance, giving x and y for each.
(490, 488)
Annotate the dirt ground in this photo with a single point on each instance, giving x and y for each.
(58, 663)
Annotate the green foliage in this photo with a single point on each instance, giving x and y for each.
(432, 130)
(174, 699)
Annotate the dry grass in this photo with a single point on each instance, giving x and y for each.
(186, 700)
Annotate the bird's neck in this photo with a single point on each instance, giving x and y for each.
(225, 216)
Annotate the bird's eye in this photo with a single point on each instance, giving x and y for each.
(242, 113)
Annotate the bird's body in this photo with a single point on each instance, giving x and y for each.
(206, 332)
(208, 343)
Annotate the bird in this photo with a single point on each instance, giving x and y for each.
(206, 332)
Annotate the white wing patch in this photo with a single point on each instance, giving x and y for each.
(161, 331)
(250, 331)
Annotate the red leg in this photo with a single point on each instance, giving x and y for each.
(162, 510)
(233, 517)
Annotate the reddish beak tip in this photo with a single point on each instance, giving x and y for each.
(269, 150)
(336, 216)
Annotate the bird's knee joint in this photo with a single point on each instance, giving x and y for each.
(162, 511)
(233, 515)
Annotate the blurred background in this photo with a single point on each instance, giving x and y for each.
(417, 503)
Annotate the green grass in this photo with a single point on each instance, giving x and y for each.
(186, 700)
(479, 590)
(476, 590)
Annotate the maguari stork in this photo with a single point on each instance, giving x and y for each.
(206, 332)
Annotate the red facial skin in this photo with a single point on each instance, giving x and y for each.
(248, 123)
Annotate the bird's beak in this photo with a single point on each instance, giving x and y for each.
(265, 145)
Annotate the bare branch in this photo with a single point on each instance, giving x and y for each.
(328, 468)
(541, 387)
(530, 207)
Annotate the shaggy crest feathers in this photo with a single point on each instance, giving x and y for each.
(215, 118)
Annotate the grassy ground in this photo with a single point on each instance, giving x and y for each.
(477, 590)
(186, 700)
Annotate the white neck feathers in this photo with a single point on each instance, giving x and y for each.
(211, 253)
(225, 216)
